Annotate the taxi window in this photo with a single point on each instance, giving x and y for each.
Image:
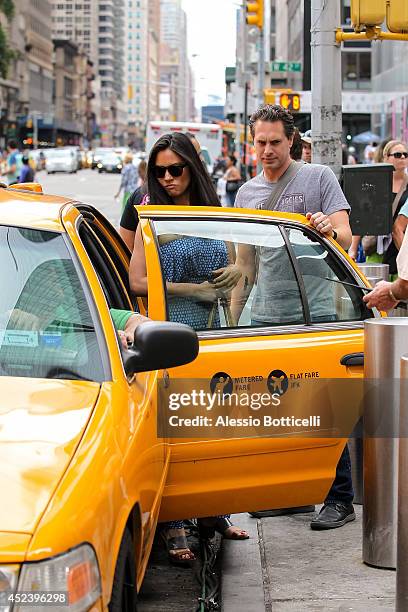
(322, 274)
(46, 328)
(227, 274)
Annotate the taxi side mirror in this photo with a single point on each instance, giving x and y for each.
(160, 345)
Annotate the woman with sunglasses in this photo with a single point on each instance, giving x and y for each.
(395, 153)
(384, 249)
(197, 272)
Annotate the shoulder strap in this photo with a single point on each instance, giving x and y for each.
(399, 196)
(283, 182)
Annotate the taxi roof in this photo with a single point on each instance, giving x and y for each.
(29, 209)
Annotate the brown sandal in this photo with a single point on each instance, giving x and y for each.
(177, 547)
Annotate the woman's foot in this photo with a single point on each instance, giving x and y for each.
(222, 525)
(235, 533)
(177, 547)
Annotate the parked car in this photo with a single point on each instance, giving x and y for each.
(60, 160)
(110, 162)
(86, 473)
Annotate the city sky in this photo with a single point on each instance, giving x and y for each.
(211, 46)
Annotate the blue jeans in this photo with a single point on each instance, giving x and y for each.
(342, 487)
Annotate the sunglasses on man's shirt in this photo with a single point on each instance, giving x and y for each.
(175, 170)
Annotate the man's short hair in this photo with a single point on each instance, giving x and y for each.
(272, 113)
(12, 144)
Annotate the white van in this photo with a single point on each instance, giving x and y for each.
(209, 135)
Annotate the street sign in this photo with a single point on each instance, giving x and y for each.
(286, 66)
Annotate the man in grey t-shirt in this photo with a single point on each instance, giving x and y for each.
(315, 192)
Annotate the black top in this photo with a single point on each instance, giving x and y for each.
(390, 255)
(130, 218)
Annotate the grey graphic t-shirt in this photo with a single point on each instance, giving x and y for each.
(313, 189)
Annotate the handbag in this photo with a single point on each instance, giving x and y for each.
(233, 186)
(223, 302)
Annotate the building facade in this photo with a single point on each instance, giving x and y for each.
(174, 59)
(98, 28)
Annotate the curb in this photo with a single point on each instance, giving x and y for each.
(242, 588)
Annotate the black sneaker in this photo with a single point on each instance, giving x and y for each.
(281, 511)
(333, 515)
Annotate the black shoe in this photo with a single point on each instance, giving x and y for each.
(333, 515)
(281, 511)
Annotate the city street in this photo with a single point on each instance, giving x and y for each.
(86, 186)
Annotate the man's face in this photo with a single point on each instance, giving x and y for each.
(272, 147)
(307, 152)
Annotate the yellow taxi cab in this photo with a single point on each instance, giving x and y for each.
(84, 473)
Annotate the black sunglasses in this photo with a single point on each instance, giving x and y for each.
(399, 154)
(175, 170)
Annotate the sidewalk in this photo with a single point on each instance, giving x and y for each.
(286, 566)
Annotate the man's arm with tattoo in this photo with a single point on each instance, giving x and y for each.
(246, 263)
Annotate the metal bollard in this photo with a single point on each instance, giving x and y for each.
(386, 340)
(402, 546)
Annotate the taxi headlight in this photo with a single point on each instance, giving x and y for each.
(99, 165)
(75, 573)
(8, 582)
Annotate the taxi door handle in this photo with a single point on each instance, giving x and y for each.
(352, 359)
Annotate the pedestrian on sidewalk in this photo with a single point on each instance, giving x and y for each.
(13, 163)
(309, 189)
(129, 179)
(27, 173)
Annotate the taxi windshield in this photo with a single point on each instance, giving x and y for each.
(46, 327)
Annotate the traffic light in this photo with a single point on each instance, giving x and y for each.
(269, 96)
(368, 12)
(290, 101)
(397, 16)
(255, 13)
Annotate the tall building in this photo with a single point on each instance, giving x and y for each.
(390, 77)
(26, 97)
(292, 32)
(137, 34)
(98, 26)
(174, 39)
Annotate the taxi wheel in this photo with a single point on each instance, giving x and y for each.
(124, 597)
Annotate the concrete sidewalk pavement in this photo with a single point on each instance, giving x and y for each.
(286, 566)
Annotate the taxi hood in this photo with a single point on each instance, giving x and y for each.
(41, 424)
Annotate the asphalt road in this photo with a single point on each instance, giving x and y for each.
(87, 186)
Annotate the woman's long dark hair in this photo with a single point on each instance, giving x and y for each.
(202, 192)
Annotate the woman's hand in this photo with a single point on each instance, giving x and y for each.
(226, 278)
(205, 292)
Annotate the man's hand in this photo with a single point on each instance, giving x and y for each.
(380, 297)
(321, 222)
(226, 278)
(127, 336)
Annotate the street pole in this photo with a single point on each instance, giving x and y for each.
(326, 85)
(244, 173)
(261, 67)
(35, 130)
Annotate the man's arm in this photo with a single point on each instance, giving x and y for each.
(245, 262)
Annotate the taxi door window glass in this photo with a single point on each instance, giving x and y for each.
(329, 300)
(46, 328)
(261, 290)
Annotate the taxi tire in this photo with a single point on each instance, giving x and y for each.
(124, 596)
